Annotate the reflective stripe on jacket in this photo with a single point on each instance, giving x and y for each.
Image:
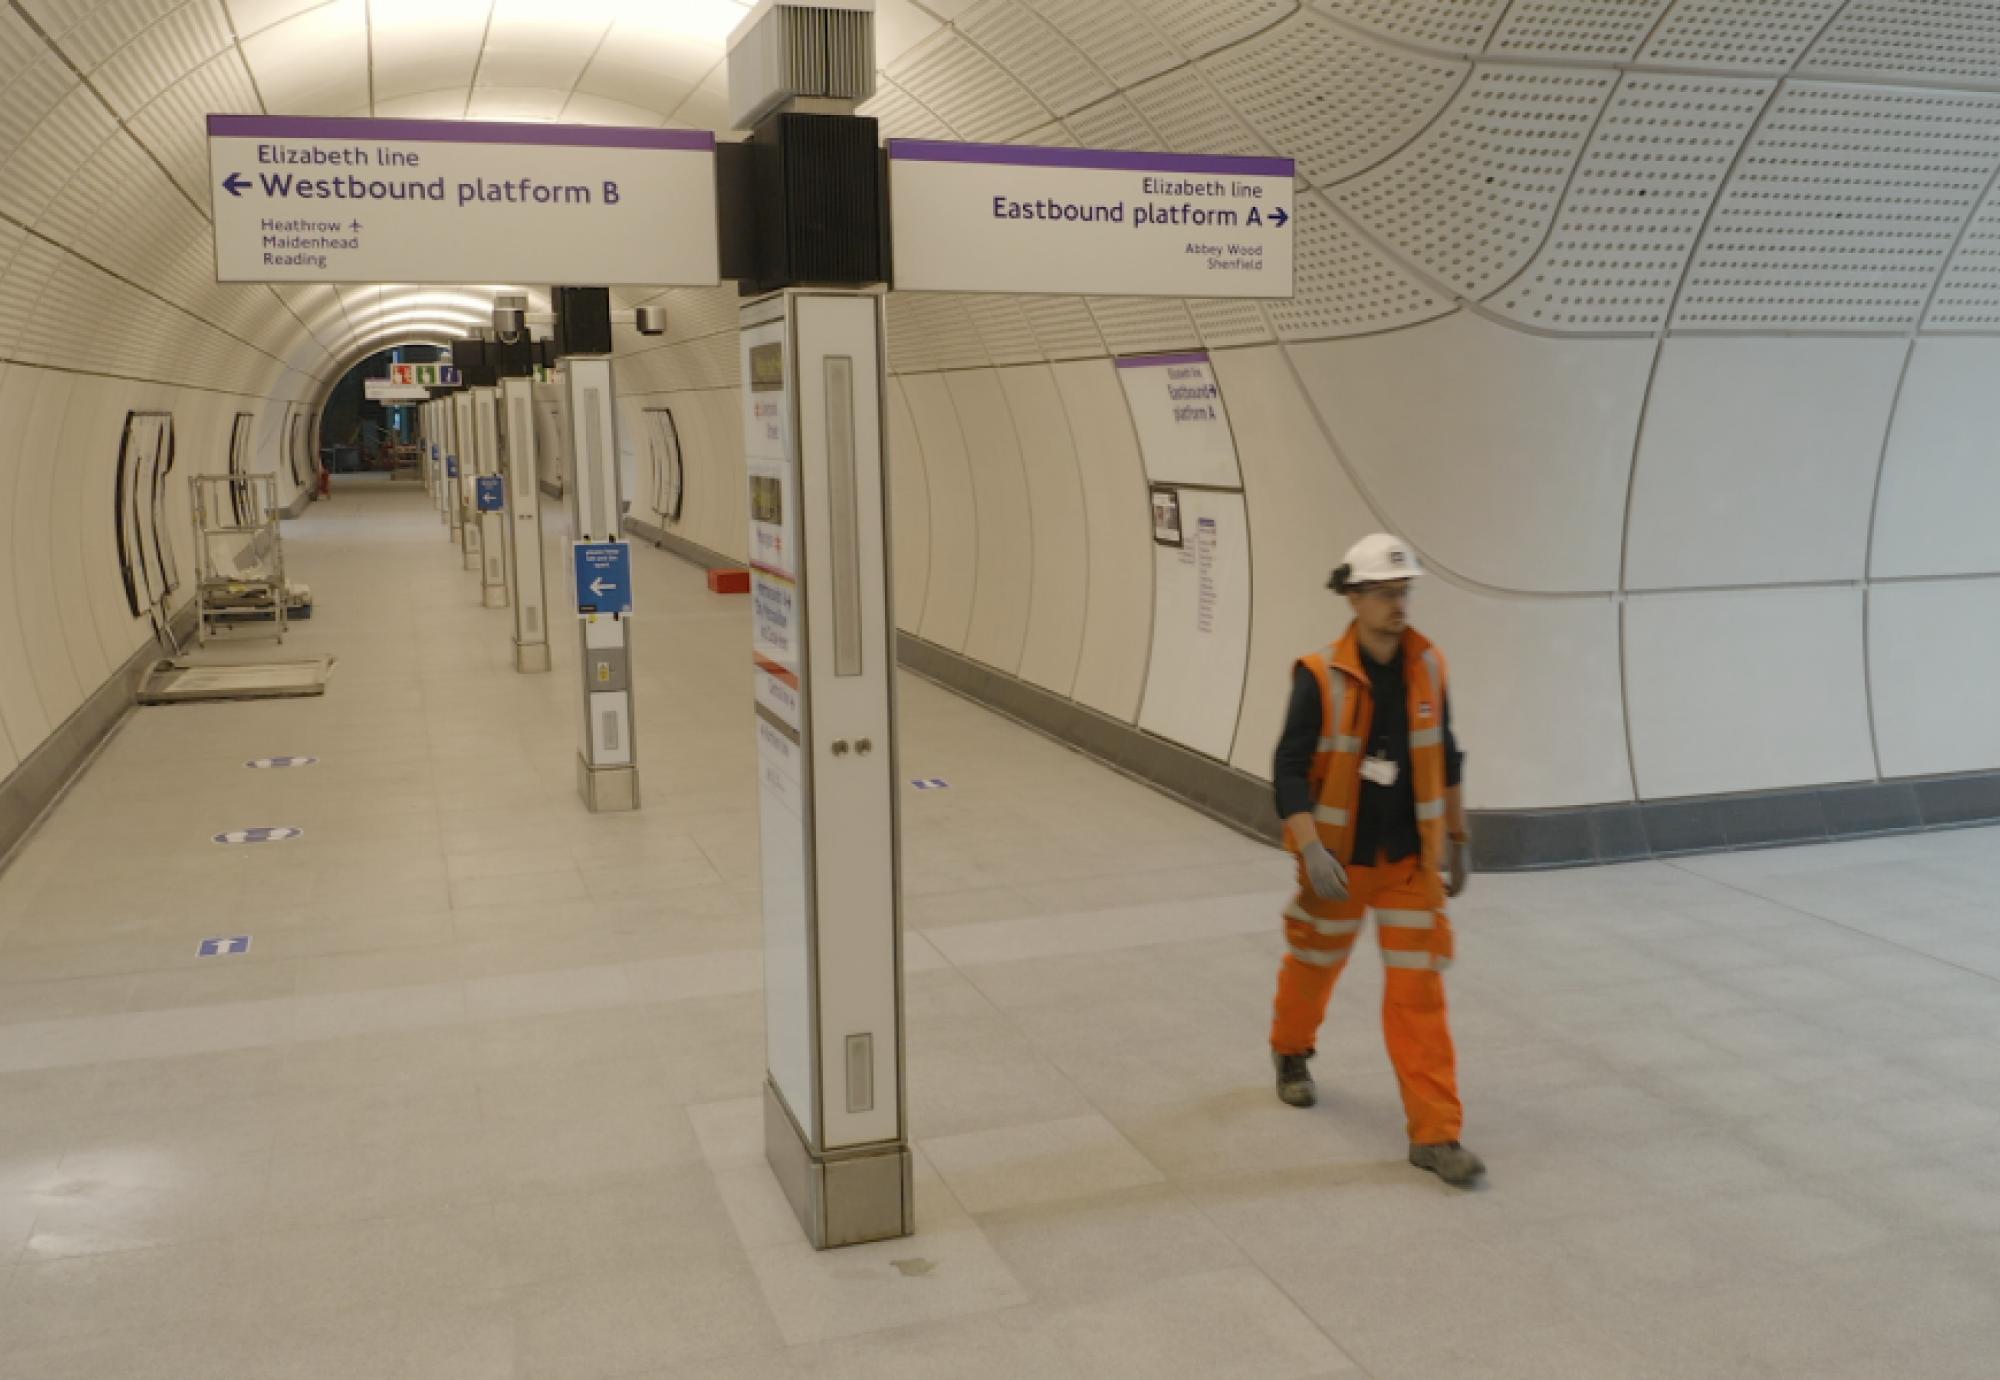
(1347, 711)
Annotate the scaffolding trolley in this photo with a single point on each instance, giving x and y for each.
(240, 557)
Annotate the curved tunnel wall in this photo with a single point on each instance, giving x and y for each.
(1663, 329)
(1677, 373)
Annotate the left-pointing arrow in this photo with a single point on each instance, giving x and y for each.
(235, 184)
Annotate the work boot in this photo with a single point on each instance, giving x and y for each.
(1450, 1161)
(1295, 1082)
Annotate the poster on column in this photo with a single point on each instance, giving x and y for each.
(777, 665)
(1201, 626)
(1181, 421)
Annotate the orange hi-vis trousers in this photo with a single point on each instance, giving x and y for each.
(1416, 941)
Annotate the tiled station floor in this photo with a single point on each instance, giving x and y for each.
(481, 1101)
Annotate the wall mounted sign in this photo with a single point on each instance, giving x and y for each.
(1023, 218)
(317, 200)
(1181, 421)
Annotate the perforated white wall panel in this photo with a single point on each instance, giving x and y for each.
(1342, 285)
(1968, 295)
(1635, 205)
(1460, 25)
(1842, 209)
(1737, 35)
(941, 322)
(1025, 44)
(1957, 40)
(1141, 325)
(1296, 84)
(899, 115)
(1471, 199)
(1223, 322)
(1190, 118)
(1124, 46)
(967, 89)
(1113, 124)
(1003, 329)
(1064, 327)
(162, 55)
(1602, 29)
(1202, 26)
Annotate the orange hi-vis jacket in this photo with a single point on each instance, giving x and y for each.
(1347, 711)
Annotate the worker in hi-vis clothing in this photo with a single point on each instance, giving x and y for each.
(1367, 778)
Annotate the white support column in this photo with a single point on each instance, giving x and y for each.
(424, 448)
(607, 761)
(529, 587)
(468, 467)
(449, 493)
(835, 1129)
(492, 522)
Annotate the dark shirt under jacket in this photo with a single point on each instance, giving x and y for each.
(1387, 822)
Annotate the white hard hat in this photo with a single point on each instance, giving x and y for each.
(1375, 559)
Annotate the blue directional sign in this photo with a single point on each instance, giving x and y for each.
(218, 948)
(492, 494)
(451, 467)
(603, 577)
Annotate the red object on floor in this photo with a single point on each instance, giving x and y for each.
(732, 581)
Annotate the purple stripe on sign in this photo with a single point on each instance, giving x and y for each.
(1161, 361)
(1039, 156)
(458, 132)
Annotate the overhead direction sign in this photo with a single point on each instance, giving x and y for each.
(603, 577)
(383, 390)
(299, 199)
(1030, 219)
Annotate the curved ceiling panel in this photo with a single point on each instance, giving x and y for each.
(1462, 26)
(1638, 200)
(1294, 85)
(1471, 200)
(1567, 196)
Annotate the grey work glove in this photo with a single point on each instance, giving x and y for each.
(1459, 867)
(1324, 874)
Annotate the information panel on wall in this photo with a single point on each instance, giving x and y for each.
(314, 200)
(1201, 625)
(1182, 424)
(1025, 218)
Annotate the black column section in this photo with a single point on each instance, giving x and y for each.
(474, 359)
(583, 320)
(801, 204)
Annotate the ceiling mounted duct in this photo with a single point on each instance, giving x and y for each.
(817, 57)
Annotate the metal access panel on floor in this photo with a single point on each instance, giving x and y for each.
(184, 682)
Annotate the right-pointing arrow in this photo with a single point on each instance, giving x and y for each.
(1279, 216)
(236, 184)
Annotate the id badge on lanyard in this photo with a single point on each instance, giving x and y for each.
(1380, 771)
